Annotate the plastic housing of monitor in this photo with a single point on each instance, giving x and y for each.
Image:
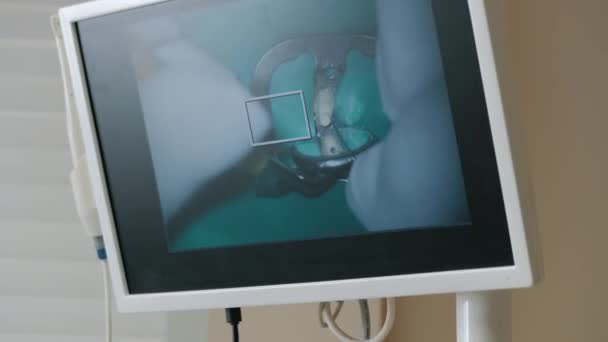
(522, 274)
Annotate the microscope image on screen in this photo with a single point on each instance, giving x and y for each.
(273, 120)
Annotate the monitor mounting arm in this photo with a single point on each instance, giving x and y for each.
(483, 316)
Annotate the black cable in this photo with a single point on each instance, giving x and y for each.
(235, 333)
(234, 317)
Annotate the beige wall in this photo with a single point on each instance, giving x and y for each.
(559, 55)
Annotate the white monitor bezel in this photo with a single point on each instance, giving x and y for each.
(519, 275)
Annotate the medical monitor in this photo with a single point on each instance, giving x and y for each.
(253, 152)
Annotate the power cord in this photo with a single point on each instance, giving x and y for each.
(234, 317)
(363, 309)
(101, 255)
(328, 319)
(108, 302)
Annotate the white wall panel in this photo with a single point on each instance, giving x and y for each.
(36, 166)
(24, 20)
(44, 3)
(28, 59)
(51, 278)
(31, 93)
(50, 240)
(72, 317)
(39, 202)
(29, 131)
(67, 338)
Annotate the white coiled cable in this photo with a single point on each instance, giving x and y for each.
(328, 318)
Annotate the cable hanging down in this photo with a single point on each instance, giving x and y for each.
(108, 302)
(234, 317)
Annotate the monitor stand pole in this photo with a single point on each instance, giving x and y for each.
(483, 316)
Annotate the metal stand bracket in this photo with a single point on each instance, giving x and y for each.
(483, 316)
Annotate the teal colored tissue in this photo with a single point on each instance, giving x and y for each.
(358, 102)
(293, 75)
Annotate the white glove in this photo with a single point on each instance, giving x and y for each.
(194, 112)
(413, 177)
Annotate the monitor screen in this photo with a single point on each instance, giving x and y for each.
(278, 127)
(280, 141)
